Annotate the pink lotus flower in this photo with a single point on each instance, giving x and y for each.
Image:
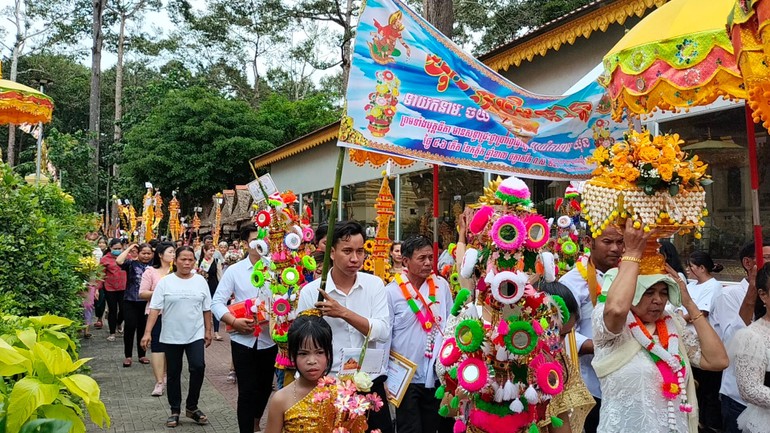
(340, 430)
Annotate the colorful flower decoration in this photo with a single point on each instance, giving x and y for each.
(257, 278)
(480, 219)
(281, 307)
(469, 335)
(279, 289)
(521, 339)
(537, 231)
(449, 353)
(263, 218)
(508, 232)
(550, 377)
(290, 276)
(511, 280)
(309, 263)
(292, 241)
(564, 221)
(261, 247)
(308, 234)
(513, 191)
(472, 374)
(562, 308)
(369, 245)
(569, 248)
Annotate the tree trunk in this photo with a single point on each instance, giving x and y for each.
(94, 106)
(347, 43)
(119, 80)
(441, 14)
(18, 45)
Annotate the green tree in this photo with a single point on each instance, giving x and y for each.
(297, 118)
(195, 141)
(71, 155)
(42, 242)
(487, 24)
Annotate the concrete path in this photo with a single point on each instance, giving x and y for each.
(126, 391)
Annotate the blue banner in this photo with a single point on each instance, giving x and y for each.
(412, 93)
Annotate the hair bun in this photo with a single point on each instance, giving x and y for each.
(717, 268)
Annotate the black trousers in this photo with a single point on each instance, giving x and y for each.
(115, 305)
(381, 419)
(254, 368)
(196, 366)
(133, 313)
(709, 406)
(731, 410)
(100, 304)
(592, 420)
(418, 412)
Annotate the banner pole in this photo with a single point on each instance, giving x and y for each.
(332, 220)
(435, 218)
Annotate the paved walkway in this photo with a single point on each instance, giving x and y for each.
(126, 391)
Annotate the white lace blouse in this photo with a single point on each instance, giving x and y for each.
(749, 351)
(632, 397)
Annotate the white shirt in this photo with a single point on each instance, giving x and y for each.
(237, 280)
(408, 336)
(703, 294)
(727, 322)
(366, 298)
(183, 302)
(633, 398)
(583, 328)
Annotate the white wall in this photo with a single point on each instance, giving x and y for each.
(314, 169)
(559, 70)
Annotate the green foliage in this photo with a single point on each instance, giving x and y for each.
(72, 155)
(42, 241)
(39, 366)
(297, 118)
(196, 141)
(488, 24)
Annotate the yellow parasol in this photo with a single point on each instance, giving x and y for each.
(21, 104)
(680, 56)
(677, 57)
(750, 34)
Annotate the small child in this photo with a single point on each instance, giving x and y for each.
(292, 409)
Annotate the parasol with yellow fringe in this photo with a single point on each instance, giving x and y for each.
(22, 104)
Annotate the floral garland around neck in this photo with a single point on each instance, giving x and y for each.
(426, 317)
(664, 351)
(584, 272)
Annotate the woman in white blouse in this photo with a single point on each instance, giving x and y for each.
(703, 290)
(750, 353)
(643, 353)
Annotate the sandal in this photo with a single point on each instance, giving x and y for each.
(197, 416)
(173, 420)
(127, 363)
(144, 360)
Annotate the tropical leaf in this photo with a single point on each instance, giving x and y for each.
(50, 319)
(56, 360)
(60, 411)
(28, 337)
(43, 425)
(27, 395)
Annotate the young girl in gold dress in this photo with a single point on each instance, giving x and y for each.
(292, 409)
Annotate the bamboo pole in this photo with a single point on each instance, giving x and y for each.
(332, 218)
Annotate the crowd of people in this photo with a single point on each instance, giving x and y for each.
(652, 350)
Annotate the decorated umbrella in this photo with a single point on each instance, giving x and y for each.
(21, 104)
(680, 56)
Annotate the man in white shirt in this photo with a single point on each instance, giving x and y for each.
(732, 309)
(584, 281)
(354, 304)
(253, 356)
(419, 337)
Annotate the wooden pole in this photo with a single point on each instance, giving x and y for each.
(332, 218)
(754, 171)
(435, 218)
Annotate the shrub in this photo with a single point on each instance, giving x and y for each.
(42, 245)
(41, 387)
